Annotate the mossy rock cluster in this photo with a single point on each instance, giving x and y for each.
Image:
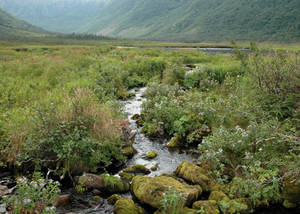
(150, 190)
(138, 119)
(137, 169)
(127, 206)
(195, 174)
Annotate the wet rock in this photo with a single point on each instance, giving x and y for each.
(126, 176)
(128, 135)
(209, 206)
(136, 116)
(154, 168)
(113, 199)
(91, 181)
(3, 191)
(137, 169)
(104, 182)
(127, 206)
(195, 174)
(138, 119)
(96, 192)
(63, 200)
(151, 155)
(160, 129)
(218, 196)
(129, 151)
(175, 142)
(291, 192)
(150, 190)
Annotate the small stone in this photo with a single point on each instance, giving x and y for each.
(154, 168)
(4, 191)
(96, 192)
(151, 155)
(62, 200)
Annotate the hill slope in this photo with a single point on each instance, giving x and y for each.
(200, 20)
(12, 28)
(64, 16)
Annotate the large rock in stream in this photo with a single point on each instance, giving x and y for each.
(150, 190)
(196, 175)
(104, 182)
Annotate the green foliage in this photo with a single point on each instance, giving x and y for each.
(172, 202)
(34, 196)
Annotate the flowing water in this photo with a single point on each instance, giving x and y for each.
(167, 160)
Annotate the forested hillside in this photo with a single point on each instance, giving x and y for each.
(65, 16)
(13, 28)
(200, 20)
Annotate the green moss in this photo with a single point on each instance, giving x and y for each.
(218, 196)
(129, 151)
(150, 190)
(151, 155)
(209, 206)
(175, 142)
(137, 169)
(127, 206)
(154, 168)
(126, 176)
(237, 206)
(291, 190)
(289, 205)
(114, 198)
(195, 174)
(113, 184)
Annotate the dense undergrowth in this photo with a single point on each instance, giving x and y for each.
(243, 113)
(59, 111)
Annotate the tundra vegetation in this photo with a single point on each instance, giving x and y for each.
(60, 115)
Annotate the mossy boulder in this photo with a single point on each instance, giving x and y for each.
(137, 169)
(150, 190)
(126, 176)
(136, 117)
(127, 206)
(195, 174)
(209, 206)
(129, 151)
(291, 191)
(114, 184)
(218, 196)
(175, 142)
(113, 199)
(151, 155)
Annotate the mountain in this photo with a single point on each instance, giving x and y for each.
(13, 28)
(199, 20)
(64, 16)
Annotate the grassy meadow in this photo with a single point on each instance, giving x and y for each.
(59, 105)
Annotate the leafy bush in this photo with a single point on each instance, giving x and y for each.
(172, 202)
(34, 196)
